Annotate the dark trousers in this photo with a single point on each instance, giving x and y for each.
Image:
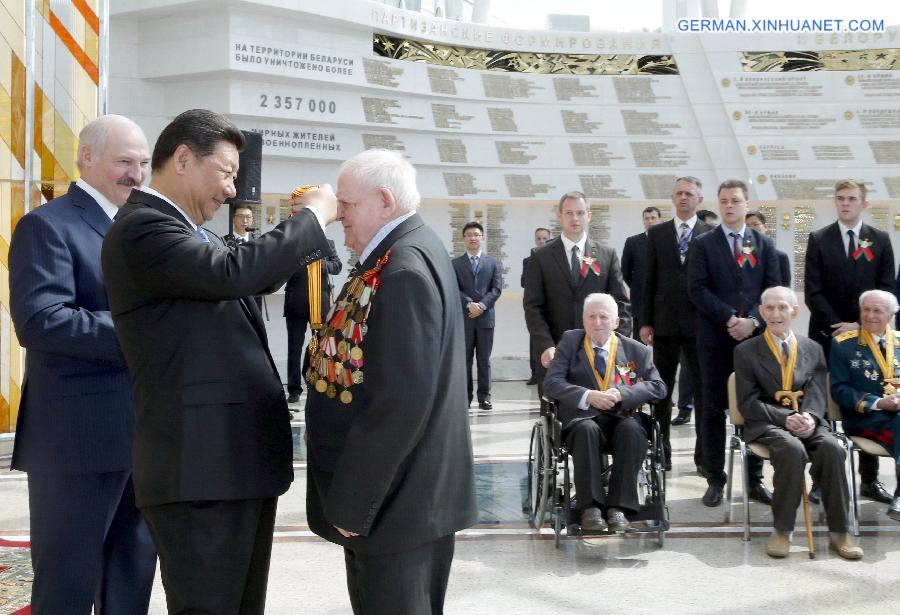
(479, 343)
(410, 582)
(789, 458)
(90, 546)
(587, 439)
(685, 384)
(716, 364)
(534, 359)
(296, 334)
(214, 555)
(668, 350)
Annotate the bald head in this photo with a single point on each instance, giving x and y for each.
(113, 157)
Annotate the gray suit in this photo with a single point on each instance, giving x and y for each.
(758, 378)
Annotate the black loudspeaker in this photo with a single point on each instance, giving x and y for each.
(248, 183)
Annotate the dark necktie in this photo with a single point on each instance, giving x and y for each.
(785, 350)
(851, 244)
(882, 348)
(600, 361)
(202, 234)
(576, 264)
(474, 260)
(736, 247)
(683, 242)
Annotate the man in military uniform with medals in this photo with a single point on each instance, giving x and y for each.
(780, 379)
(600, 378)
(865, 375)
(390, 473)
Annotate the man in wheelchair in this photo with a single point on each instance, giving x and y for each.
(600, 379)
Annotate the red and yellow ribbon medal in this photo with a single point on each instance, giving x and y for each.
(336, 355)
(602, 383)
(313, 273)
(787, 369)
(885, 363)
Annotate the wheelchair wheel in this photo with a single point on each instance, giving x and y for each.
(538, 474)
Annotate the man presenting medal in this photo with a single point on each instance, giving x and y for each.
(770, 370)
(864, 369)
(390, 474)
(599, 378)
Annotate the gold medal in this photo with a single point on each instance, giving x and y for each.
(357, 377)
(346, 397)
(343, 347)
(321, 385)
(356, 353)
(313, 344)
(331, 391)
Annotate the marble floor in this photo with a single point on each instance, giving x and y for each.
(502, 566)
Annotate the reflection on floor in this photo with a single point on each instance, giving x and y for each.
(502, 566)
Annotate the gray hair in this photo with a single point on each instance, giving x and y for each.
(692, 180)
(381, 168)
(786, 292)
(889, 299)
(93, 135)
(600, 298)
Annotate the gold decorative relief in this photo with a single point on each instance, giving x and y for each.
(834, 60)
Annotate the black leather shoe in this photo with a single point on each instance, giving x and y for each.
(485, 405)
(293, 398)
(592, 520)
(759, 493)
(683, 418)
(713, 496)
(616, 520)
(875, 491)
(532, 381)
(815, 496)
(893, 510)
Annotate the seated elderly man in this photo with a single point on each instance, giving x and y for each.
(865, 378)
(765, 367)
(599, 379)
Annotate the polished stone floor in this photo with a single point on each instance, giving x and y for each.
(504, 567)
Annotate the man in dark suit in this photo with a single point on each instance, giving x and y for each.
(297, 306)
(541, 236)
(757, 221)
(597, 395)
(779, 360)
(728, 269)
(90, 546)
(241, 225)
(480, 283)
(565, 271)
(709, 218)
(843, 260)
(634, 264)
(667, 314)
(390, 473)
(212, 446)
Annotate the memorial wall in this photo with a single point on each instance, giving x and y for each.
(500, 122)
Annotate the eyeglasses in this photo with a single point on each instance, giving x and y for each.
(472, 235)
(244, 216)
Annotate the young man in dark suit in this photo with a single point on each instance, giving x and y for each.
(667, 314)
(480, 284)
(541, 236)
(757, 221)
(76, 419)
(728, 269)
(634, 264)
(565, 271)
(241, 223)
(843, 260)
(390, 473)
(212, 446)
(297, 307)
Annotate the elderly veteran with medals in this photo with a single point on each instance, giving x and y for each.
(780, 378)
(599, 378)
(865, 376)
(390, 473)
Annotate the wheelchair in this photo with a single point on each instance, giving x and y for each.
(550, 487)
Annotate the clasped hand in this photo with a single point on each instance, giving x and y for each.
(891, 403)
(604, 400)
(801, 425)
(740, 328)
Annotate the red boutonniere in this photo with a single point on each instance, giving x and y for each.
(589, 262)
(864, 249)
(747, 256)
(626, 372)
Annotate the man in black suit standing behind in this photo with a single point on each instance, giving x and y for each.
(212, 443)
(843, 260)
(541, 236)
(390, 473)
(727, 271)
(297, 309)
(634, 263)
(480, 284)
(667, 314)
(565, 271)
(757, 221)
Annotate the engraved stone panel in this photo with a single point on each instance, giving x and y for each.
(644, 123)
(778, 152)
(886, 152)
(575, 122)
(496, 237)
(776, 120)
(600, 187)
(502, 119)
(522, 186)
(446, 116)
(883, 85)
(636, 90)
(657, 154)
(832, 152)
(592, 154)
(502, 86)
(567, 88)
(657, 186)
(893, 187)
(516, 152)
(379, 72)
(451, 150)
(777, 86)
(879, 118)
(791, 187)
(443, 80)
(383, 142)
